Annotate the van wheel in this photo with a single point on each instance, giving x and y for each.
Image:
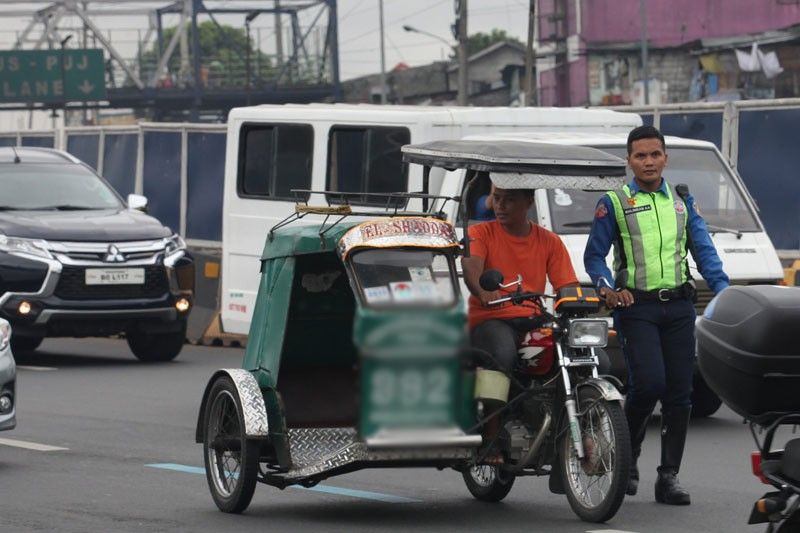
(24, 345)
(156, 347)
(705, 401)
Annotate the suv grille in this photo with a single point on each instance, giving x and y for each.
(72, 286)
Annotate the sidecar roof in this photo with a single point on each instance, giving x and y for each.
(302, 239)
(516, 164)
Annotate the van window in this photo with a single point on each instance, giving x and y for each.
(274, 159)
(480, 191)
(714, 189)
(367, 159)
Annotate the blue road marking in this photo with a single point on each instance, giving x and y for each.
(327, 489)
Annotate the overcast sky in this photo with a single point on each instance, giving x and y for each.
(359, 36)
(359, 42)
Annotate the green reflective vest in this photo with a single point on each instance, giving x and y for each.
(651, 251)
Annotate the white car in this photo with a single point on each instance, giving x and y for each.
(8, 379)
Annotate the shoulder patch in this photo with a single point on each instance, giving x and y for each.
(601, 211)
(680, 208)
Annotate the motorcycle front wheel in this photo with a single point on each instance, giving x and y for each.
(596, 484)
(488, 483)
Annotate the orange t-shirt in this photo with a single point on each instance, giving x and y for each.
(538, 256)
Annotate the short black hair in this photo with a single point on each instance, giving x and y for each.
(645, 132)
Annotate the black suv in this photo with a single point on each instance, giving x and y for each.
(76, 261)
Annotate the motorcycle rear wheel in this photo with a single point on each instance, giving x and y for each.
(595, 485)
(488, 483)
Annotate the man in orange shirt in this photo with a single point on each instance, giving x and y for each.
(513, 245)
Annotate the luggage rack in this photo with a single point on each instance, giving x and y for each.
(344, 209)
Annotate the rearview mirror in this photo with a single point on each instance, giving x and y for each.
(137, 202)
(491, 280)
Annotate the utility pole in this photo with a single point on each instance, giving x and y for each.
(645, 68)
(463, 75)
(529, 99)
(383, 55)
(278, 35)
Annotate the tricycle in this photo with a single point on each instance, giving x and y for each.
(358, 353)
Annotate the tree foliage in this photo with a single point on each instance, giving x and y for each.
(223, 51)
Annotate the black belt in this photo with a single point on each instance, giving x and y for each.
(684, 292)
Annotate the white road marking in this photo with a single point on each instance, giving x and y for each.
(608, 531)
(31, 445)
(37, 368)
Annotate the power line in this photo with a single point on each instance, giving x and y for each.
(395, 21)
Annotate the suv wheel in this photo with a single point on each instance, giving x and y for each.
(24, 345)
(156, 347)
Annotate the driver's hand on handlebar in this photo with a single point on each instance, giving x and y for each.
(616, 299)
(487, 296)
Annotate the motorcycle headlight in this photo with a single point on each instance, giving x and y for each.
(174, 244)
(5, 335)
(587, 333)
(16, 245)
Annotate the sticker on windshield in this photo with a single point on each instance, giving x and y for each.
(420, 273)
(414, 291)
(377, 294)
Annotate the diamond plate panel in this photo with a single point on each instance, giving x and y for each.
(319, 450)
(254, 410)
(515, 180)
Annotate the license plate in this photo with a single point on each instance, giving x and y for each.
(115, 276)
(408, 396)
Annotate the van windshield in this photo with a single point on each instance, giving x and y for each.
(46, 186)
(719, 199)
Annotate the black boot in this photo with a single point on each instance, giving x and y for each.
(674, 424)
(637, 423)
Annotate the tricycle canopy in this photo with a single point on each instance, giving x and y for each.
(524, 165)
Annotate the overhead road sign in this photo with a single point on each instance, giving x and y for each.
(40, 76)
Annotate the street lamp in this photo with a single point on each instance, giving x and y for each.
(412, 29)
(64, 42)
(247, 20)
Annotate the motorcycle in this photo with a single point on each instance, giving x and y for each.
(562, 418)
(756, 372)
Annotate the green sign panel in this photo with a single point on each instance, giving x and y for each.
(52, 76)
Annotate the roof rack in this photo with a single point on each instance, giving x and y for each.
(345, 201)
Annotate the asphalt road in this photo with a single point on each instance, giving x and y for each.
(114, 416)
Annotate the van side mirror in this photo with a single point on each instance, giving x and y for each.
(137, 202)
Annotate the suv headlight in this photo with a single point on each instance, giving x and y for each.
(174, 244)
(17, 245)
(587, 333)
(5, 335)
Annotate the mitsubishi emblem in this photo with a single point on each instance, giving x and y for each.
(114, 255)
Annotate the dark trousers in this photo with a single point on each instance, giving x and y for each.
(501, 339)
(658, 342)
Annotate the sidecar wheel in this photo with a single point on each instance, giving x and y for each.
(231, 459)
(595, 485)
(488, 483)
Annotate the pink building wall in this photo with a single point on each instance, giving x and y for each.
(669, 23)
(674, 22)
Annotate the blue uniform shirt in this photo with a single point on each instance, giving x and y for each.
(605, 232)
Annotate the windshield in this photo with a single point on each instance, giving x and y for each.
(710, 183)
(404, 277)
(50, 186)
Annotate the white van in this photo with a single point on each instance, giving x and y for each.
(272, 149)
